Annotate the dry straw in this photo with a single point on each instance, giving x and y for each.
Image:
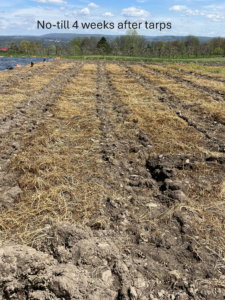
(60, 166)
(203, 104)
(17, 89)
(214, 85)
(170, 134)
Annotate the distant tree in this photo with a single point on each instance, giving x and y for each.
(12, 48)
(187, 40)
(134, 43)
(181, 48)
(86, 50)
(204, 49)
(121, 43)
(218, 51)
(222, 45)
(159, 44)
(88, 44)
(115, 49)
(194, 42)
(148, 50)
(149, 47)
(216, 42)
(175, 44)
(141, 45)
(35, 48)
(169, 48)
(76, 42)
(63, 49)
(77, 50)
(51, 50)
(174, 51)
(189, 50)
(58, 50)
(103, 46)
(24, 47)
(196, 50)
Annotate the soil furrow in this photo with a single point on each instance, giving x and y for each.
(19, 89)
(22, 122)
(214, 88)
(198, 73)
(211, 128)
(31, 106)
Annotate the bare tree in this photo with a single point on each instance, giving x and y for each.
(189, 50)
(174, 52)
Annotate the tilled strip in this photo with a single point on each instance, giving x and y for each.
(204, 85)
(169, 133)
(17, 90)
(200, 71)
(14, 145)
(201, 112)
(25, 72)
(125, 147)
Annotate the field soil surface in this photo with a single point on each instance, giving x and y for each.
(112, 181)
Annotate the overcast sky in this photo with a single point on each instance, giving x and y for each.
(202, 17)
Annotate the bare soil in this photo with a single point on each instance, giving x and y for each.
(133, 218)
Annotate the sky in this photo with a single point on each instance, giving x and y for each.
(200, 18)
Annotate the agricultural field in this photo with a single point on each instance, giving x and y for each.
(112, 181)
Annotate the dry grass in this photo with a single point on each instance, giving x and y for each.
(211, 84)
(206, 105)
(218, 70)
(212, 72)
(60, 166)
(20, 90)
(170, 134)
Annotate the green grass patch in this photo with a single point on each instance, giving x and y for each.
(194, 59)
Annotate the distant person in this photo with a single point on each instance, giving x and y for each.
(44, 59)
(31, 64)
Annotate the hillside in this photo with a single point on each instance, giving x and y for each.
(62, 38)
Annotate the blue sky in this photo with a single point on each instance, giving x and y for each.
(202, 17)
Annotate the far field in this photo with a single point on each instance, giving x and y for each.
(213, 59)
(133, 150)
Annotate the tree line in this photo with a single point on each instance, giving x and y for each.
(131, 44)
